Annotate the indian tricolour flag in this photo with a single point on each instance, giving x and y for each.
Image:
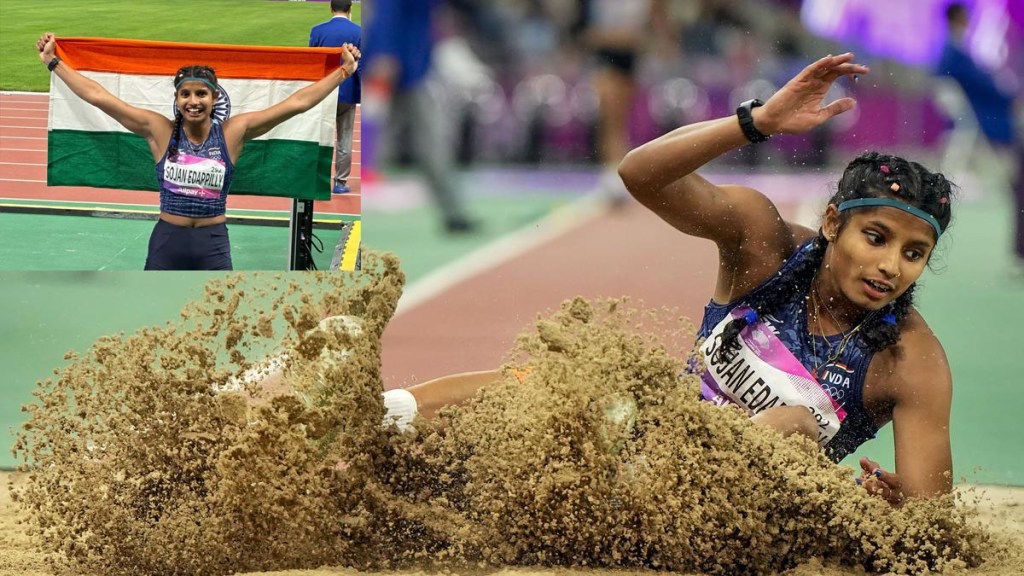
(88, 148)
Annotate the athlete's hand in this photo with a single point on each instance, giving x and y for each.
(47, 47)
(350, 58)
(886, 485)
(798, 106)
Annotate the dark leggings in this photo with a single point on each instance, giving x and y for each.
(173, 247)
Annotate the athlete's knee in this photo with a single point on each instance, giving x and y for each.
(789, 420)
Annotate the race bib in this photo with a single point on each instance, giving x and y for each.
(194, 176)
(762, 374)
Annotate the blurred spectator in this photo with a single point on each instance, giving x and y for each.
(615, 32)
(399, 50)
(337, 31)
(993, 108)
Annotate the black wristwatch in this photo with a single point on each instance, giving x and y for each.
(52, 63)
(746, 116)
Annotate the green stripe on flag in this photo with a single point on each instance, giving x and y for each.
(288, 168)
(100, 160)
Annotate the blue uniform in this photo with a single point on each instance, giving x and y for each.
(992, 106)
(193, 183)
(842, 378)
(402, 29)
(336, 32)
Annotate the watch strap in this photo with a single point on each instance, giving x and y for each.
(746, 118)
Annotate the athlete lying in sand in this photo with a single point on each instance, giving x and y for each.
(811, 332)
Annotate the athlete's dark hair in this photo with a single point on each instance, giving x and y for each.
(341, 5)
(871, 175)
(196, 71)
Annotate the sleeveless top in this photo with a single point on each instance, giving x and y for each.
(841, 380)
(194, 183)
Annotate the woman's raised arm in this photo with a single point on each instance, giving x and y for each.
(156, 129)
(244, 127)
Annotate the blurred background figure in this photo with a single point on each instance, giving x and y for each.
(400, 43)
(532, 100)
(338, 31)
(617, 34)
(981, 106)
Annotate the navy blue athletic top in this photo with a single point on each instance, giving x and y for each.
(842, 378)
(195, 182)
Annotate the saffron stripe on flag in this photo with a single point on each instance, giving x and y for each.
(229, 61)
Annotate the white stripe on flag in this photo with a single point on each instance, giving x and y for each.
(156, 93)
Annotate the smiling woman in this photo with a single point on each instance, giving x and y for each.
(195, 153)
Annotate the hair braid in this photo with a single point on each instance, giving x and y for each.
(798, 278)
(172, 148)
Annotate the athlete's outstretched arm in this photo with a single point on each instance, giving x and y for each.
(156, 129)
(660, 173)
(751, 236)
(450, 390)
(244, 127)
(921, 392)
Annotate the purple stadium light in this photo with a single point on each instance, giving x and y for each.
(912, 32)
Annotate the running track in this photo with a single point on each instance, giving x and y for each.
(23, 167)
(470, 322)
(465, 316)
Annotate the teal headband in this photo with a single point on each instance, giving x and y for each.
(869, 202)
(191, 79)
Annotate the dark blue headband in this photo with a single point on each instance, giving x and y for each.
(193, 79)
(869, 202)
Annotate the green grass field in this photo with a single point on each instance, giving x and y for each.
(245, 22)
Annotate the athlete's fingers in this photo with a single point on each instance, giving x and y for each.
(822, 66)
(840, 106)
(868, 465)
(890, 479)
(831, 67)
(847, 69)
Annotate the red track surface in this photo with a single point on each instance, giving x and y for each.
(23, 167)
(473, 324)
(628, 252)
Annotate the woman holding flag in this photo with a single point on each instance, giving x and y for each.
(195, 153)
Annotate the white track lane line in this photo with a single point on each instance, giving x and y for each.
(489, 256)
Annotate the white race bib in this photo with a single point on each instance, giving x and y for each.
(762, 374)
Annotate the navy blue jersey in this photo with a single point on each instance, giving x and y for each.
(843, 378)
(194, 182)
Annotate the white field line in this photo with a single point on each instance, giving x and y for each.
(502, 250)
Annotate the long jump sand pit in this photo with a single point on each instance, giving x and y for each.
(163, 452)
(1000, 510)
